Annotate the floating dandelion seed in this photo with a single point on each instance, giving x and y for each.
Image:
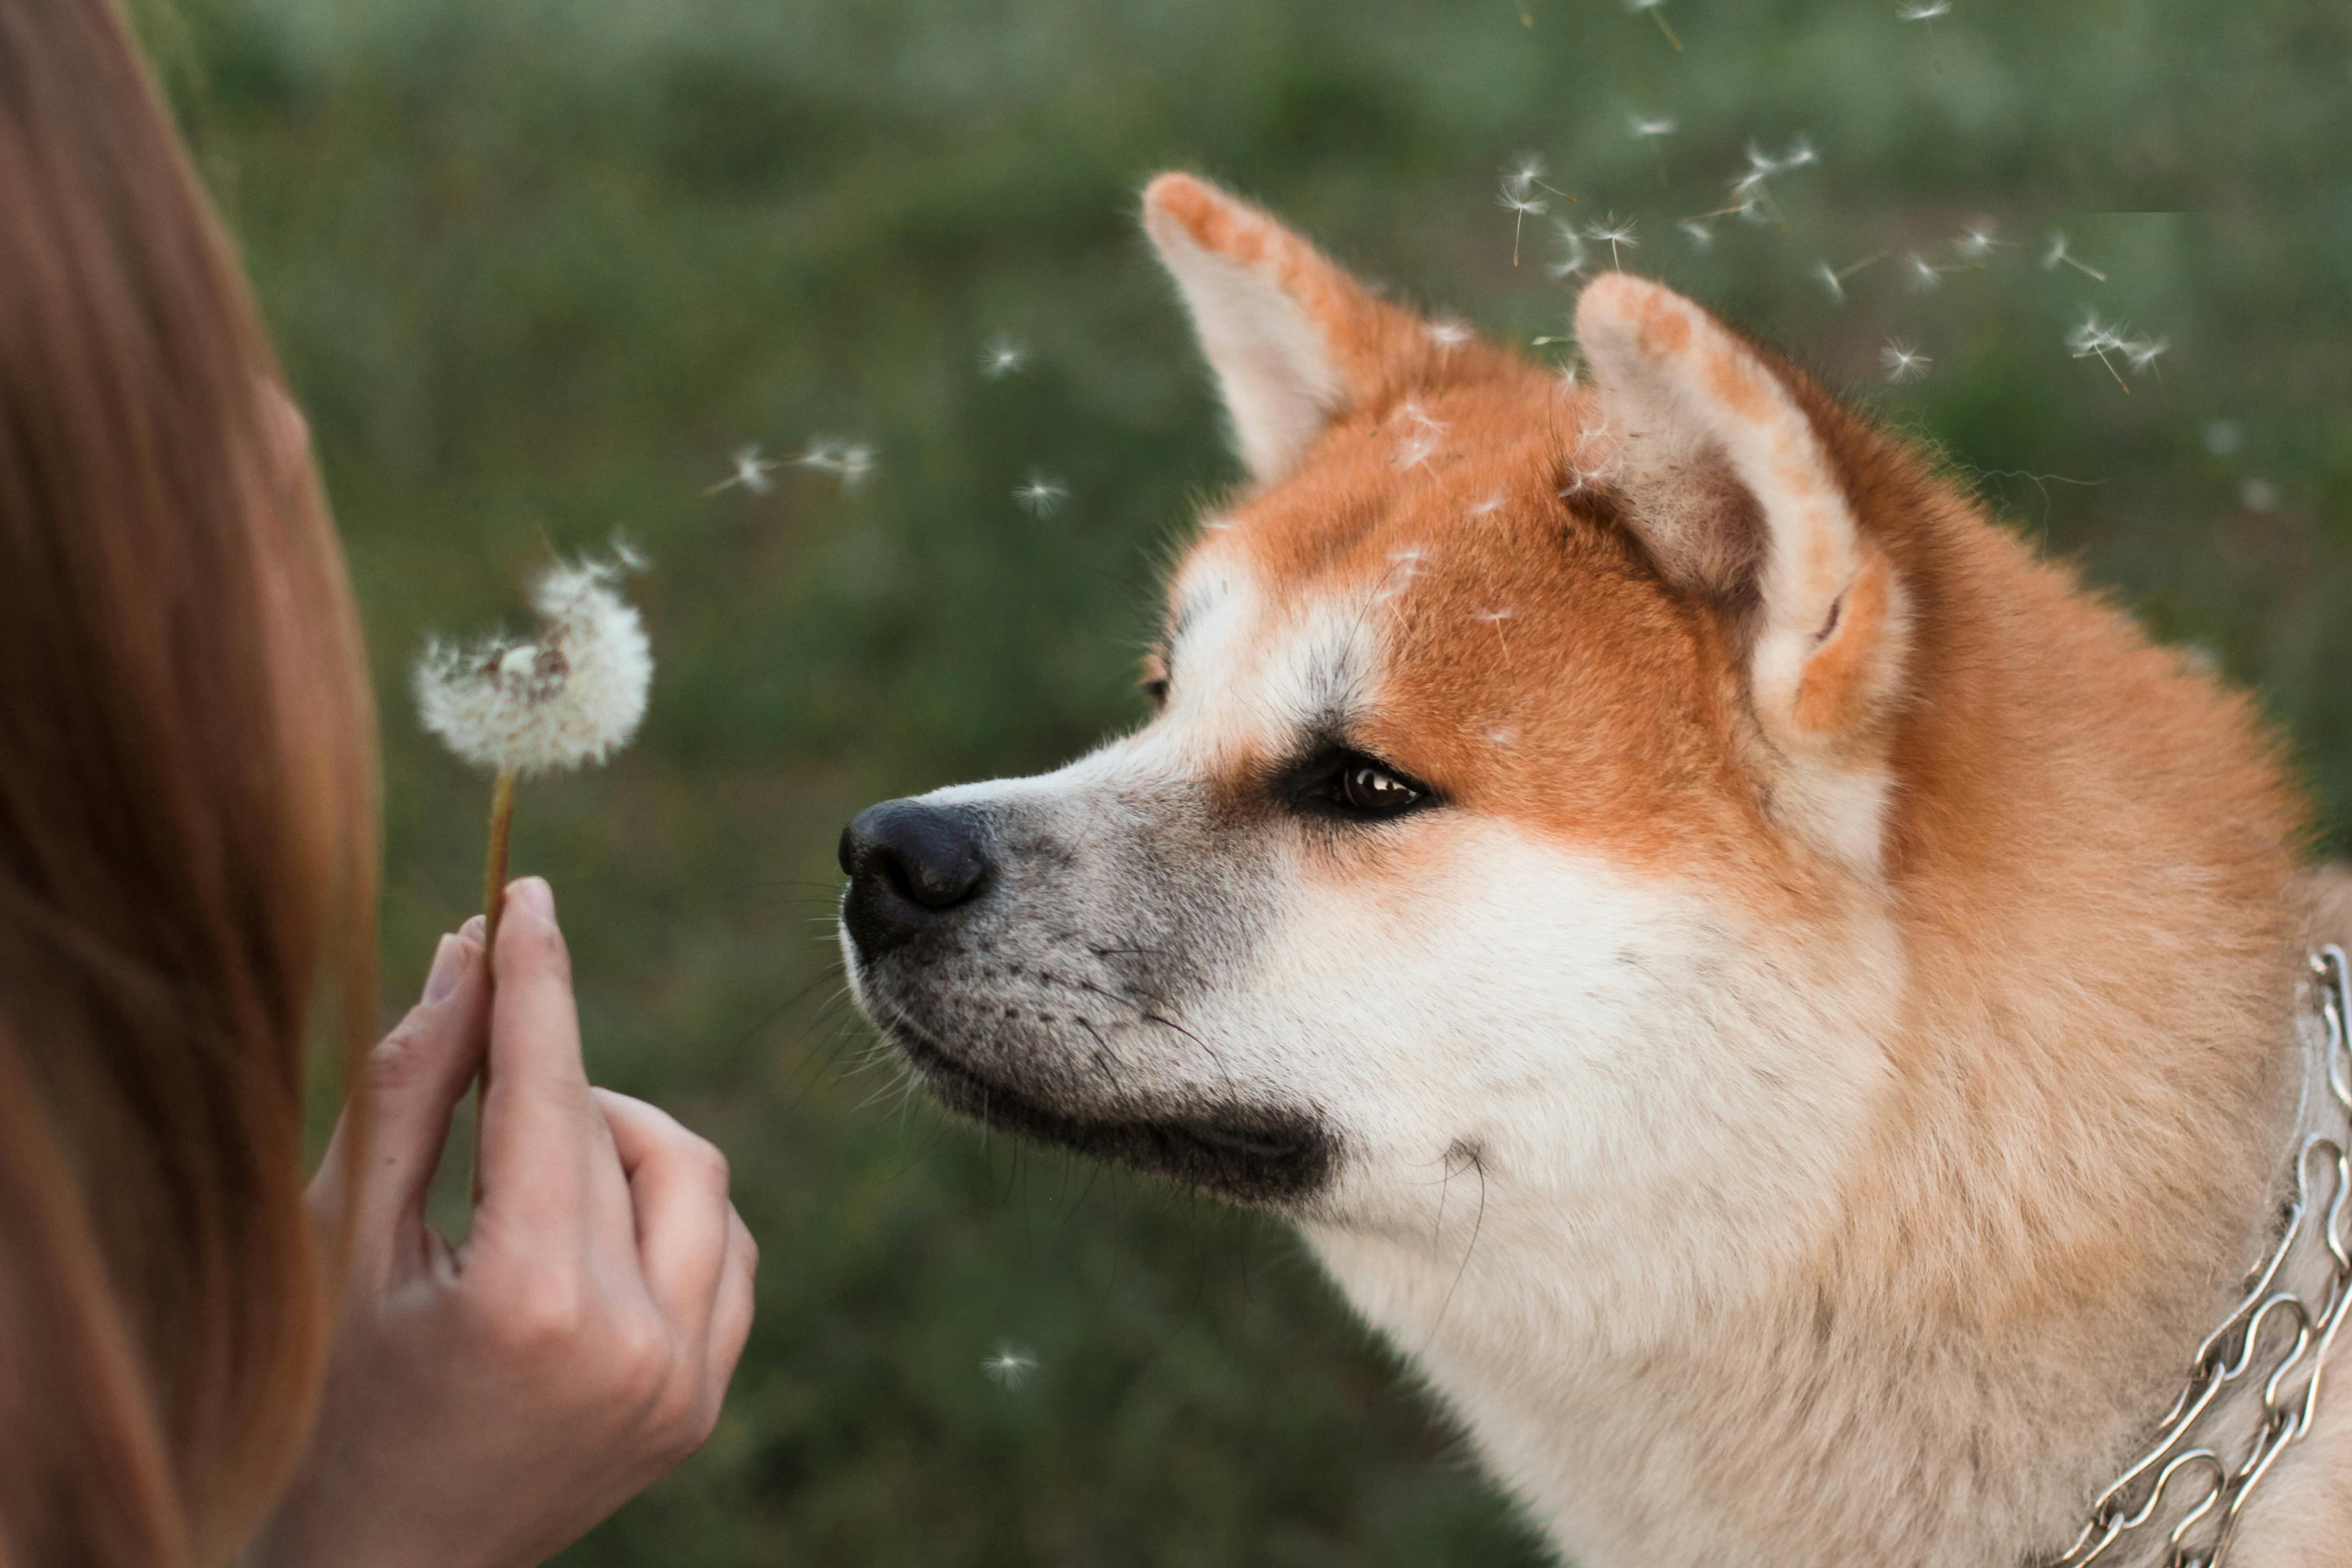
(572, 694)
(1491, 504)
(1495, 618)
(1975, 242)
(2224, 437)
(851, 461)
(1925, 274)
(1902, 363)
(1701, 232)
(2257, 495)
(1448, 333)
(1834, 281)
(1655, 130)
(1573, 256)
(1003, 355)
(1614, 233)
(1040, 496)
(2142, 356)
(1926, 10)
(751, 471)
(2058, 253)
(2091, 338)
(1521, 204)
(1656, 9)
(1009, 1368)
(1525, 172)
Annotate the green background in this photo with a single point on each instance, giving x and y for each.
(538, 268)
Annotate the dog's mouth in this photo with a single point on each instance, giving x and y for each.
(1257, 1156)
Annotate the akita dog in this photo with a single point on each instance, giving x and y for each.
(1791, 1012)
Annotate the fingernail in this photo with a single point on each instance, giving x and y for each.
(448, 968)
(537, 897)
(474, 930)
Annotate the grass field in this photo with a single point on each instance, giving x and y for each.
(538, 269)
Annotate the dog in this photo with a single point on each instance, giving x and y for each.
(1789, 1011)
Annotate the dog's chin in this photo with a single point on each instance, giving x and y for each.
(1257, 1157)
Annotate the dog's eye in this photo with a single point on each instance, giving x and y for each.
(1374, 790)
(1156, 688)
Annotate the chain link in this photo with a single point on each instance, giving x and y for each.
(2197, 1518)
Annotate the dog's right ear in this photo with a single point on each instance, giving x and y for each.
(1292, 339)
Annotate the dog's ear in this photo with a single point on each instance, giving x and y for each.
(1292, 339)
(1731, 484)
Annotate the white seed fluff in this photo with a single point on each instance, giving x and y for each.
(575, 693)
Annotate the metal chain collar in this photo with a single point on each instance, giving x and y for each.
(2182, 1490)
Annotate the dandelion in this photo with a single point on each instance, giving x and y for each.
(1040, 496)
(1521, 204)
(851, 461)
(1613, 234)
(1701, 232)
(1925, 274)
(1448, 333)
(1523, 174)
(572, 694)
(1656, 9)
(751, 471)
(1003, 355)
(1902, 363)
(1009, 1368)
(2059, 254)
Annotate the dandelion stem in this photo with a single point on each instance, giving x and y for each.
(2080, 267)
(494, 865)
(494, 890)
(1666, 29)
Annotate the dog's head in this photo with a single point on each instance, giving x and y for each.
(1515, 797)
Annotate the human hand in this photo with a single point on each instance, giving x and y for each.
(486, 1404)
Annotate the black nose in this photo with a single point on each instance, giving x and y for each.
(909, 863)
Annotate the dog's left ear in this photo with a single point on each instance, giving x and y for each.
(1732, 485)
(1294, 340)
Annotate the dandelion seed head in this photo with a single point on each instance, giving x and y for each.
(1504, 615)
(1924, 10)
(1009, 1368)
(1902, 363)
(1645, 127)
(2257, 495)
(1644, 5)
(1501, 735)
(574, 693)
(2057, 251)
(1923, 273)
(1701, 232)
(1492, 503)
(1040, 495)
(1831, 281)
(1614, 231)
(1003, 355)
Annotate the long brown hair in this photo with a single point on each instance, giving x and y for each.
(186, 833)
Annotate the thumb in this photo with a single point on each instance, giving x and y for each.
(415, 1078)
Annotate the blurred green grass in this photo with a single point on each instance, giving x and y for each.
(537, 270)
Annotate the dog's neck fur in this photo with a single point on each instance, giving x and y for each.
(2094, 1070)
